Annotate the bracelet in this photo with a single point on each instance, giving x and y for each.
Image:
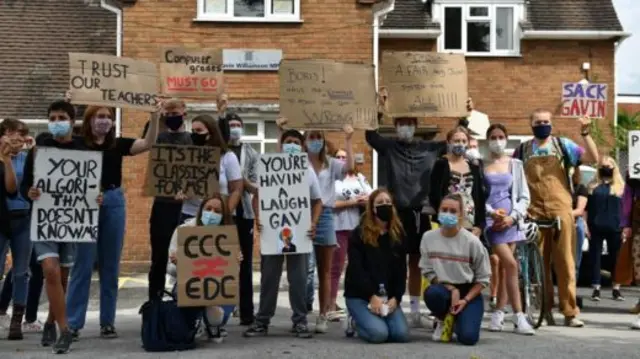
(585, 133)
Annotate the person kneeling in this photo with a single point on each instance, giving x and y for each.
(212, 212)
(377, 272)
(457, 265)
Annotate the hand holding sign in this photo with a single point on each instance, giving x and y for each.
(312, 231)
(5, 151)
(222, 102)
(348, 131)
(33, 194)
(68, 95)
(100, 199)
(281, 122)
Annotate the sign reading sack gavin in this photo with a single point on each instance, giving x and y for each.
(105, 80)
(69, 184)
(192, 170)
(285, 206)
(207, 266)
(584, 99)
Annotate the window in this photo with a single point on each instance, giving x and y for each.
(261, 135)
(480, 29)
(249, 10)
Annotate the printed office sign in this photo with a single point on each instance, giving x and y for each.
(584, 99)
(634, 154)
(69, 184)
(285, 205)
(251, 60)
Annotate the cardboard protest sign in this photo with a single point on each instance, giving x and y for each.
(587, 99)
(327, 95)
(105, 80)
(197, 59)
(194, 170)
(69, 184)
(634, 154)
(179, 80)
(425, 84)
(285, 206)
(208, 268)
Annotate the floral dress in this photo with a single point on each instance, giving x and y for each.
(463, 184)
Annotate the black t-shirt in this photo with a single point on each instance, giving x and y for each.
(579, 191)
(112, 161)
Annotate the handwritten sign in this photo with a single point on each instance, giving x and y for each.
(327, 95)
(584, 100)
(179, 80)
(69, 184)
(425, 84)
(198, 60)
(105, 80)
(194, 170)
(634, 154)
(207, 264)
(285, 206)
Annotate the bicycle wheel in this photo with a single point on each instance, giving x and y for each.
(532, 291)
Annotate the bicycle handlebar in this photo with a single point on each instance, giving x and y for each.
(555, 223)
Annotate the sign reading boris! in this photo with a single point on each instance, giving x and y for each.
(69, 184)
(587, 99)
(207, 263)
(105, 80)
(191, 170)
(285, 206)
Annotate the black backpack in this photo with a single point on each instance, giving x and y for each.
(519, 154)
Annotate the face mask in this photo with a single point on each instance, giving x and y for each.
(59, 128)
(447, 220)
(474, 154)
(174, 122)
(384, 212)
(497, 146)
(315, 146)
(405, 132)
(606, 172)
(210, 218)
(235, 133)
(291, 148)
(542, 132)
(101, 126)
(457, 149)
(199, 139)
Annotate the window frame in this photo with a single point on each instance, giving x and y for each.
(261, 133)
(229, 17)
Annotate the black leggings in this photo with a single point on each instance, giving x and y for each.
(164, 219)
(614, 240)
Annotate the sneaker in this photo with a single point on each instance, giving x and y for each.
(108, 332)
(256, 330)
(33, 327)
(636, 308)
(302, 331)
(5, 319)
(223, 332)
(617, 295)
(636, 324)
(321, 324)
(49, 334)
(75, 334)
(437, 332)
(521, 325)
(350, 327)
(335, 316)
(596, 295)
(573, 322)
(418, 321)
(216, 334)
(63, 345)
(493, 302)
(497, 321)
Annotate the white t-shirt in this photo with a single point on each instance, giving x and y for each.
(314, 186)
(327, 178)
(347, 219)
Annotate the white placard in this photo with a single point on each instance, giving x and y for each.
(69, 184)
(285, 205)
(634, 154)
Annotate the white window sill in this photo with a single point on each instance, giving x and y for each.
(484, 54)
(271, 19)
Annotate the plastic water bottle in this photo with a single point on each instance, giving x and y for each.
(382, 293)
(447, 330)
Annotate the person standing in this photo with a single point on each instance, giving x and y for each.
(580, 196)
(628, 262)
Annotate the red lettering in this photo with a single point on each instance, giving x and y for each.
(584, 107)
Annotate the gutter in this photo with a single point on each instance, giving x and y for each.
(119, 31)
(574, 35)
(410, 33)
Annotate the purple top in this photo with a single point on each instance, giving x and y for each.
(627, 205)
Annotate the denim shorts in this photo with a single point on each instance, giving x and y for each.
(64, 251)
(325, 231)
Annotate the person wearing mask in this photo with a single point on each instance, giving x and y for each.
(377, 273)
(457, 266)
(408, 162)
(351, 195)
(213, 211)
(165, 211)
(580, 194)
(473, 151)
(455, 174)
(506, 207)
(291, 141)
(56, 258)
(99, 134)
(548, 163)
(627, 267)
(604, 209)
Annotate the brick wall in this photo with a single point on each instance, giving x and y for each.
(629, 108)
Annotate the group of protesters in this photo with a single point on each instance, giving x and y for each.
(446, 215)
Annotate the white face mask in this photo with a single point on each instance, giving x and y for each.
(474, 154)
(497, 146)
(406, 132)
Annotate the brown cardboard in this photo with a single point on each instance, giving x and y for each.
(191, 56)
(112, 81)
(425, 84)
(202, 81)
(194, 170)
(208, 268)
(326, 95)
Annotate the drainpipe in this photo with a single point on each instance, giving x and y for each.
(118, 12)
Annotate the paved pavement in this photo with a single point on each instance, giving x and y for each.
(606, 336)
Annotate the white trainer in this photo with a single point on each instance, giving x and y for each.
(497, 321)
(437, 333)
(636, 324)
(521, 325)
(321, 324)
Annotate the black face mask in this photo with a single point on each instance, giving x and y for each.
(173, 122)
(199, 139)
(606, 172)
(384, 212)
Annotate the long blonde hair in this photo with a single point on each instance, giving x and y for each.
(371, 229)
(617, 183)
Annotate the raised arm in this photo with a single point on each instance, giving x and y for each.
(144, 144)
(10, 181)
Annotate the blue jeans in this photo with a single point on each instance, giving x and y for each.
(468, 322)
(108, 249)
(325, 237)
(375, 329)
(20, 244)
(580, 234)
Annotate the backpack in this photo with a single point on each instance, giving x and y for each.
(566, 160)
(167, 327)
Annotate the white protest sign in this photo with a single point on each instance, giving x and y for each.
(285, 206)
(634, 154)
(69, 184)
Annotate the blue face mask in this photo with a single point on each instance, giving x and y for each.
(210, 218)
(458, 149)
(315, 146)
(447, 220)
(235, 133)
(59, 128)
(291, 148)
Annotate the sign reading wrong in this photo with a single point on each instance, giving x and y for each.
(69, 184)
